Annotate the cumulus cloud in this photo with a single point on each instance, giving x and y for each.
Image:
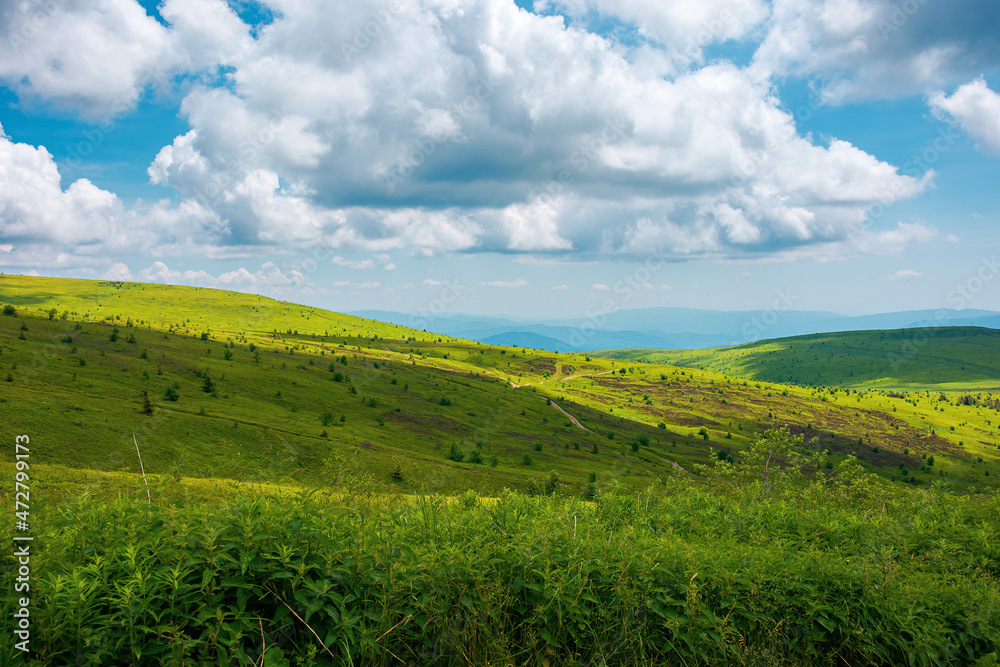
(904, 274)
(485, 129)
(97, 58)
(36, 212)
(976, 108)
(681, 29)
(865, 49)
(269, 279)
(609, 159)
(118, 271)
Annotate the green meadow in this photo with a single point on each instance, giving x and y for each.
(954, 358)
(331, 490)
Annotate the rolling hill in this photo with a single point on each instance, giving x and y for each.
(267, 390)
(945, 357)
(327, 490)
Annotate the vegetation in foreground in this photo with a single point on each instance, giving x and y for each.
(775, 561)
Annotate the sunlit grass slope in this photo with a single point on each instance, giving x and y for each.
(279, 392)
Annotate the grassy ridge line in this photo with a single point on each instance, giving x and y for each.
(961, 357)
(190, 310)
(849, 569)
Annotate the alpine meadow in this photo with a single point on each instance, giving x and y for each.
(500, 333)
(330, 490)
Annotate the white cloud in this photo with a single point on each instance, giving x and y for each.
(269, 279)
(951, 238)
(6, 247)
(599, 287)
(904, 274)
(564, 286)
(976, 108)
(507, 284)
(118, 271)
(97, 57)
(473, 114)
(705, 162)
(354, 264)
(681, 29)
(864, 49)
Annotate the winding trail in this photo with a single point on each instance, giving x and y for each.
(571, 417)
(673, 463)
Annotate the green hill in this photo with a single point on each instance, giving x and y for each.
(247, 388)
(298, 462)
(945, 357)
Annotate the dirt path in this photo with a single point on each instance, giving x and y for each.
(673, 463)
(571, 417)
(402, 353)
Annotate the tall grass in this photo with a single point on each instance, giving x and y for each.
(853, 571)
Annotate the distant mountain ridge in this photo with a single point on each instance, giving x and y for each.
(671, 328)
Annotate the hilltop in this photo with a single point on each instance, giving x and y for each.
(960, 358)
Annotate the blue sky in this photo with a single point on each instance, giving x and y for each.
(528, 159)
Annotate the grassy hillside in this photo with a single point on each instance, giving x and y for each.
(946, 357)
(846, 569)
(296, 460)
(315, 397)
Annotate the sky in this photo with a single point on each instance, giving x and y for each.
(535, 159)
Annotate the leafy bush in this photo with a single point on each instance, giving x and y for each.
(704, 574)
